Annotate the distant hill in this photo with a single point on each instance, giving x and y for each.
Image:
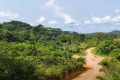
(20, 31)
(115, 32)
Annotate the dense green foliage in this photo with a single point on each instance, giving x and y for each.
(110, 50)
(37, 53)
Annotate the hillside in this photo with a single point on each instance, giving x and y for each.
(115, 32)
(40, 53)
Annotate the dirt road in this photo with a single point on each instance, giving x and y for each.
(92, 62)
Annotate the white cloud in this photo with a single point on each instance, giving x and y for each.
(117, 10)
(53, 22)
(68, 19)
(117, 24)
(8, 14)
(41, 19)
(102, 20)
(87, 22)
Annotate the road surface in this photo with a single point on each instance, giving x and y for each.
(92, 62)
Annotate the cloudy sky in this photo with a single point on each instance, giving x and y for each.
(84, 16)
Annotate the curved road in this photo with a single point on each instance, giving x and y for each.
(92, 62)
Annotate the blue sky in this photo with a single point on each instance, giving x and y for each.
(84, 16)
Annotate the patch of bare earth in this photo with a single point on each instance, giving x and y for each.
(75, 56)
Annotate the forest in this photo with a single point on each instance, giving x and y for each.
(42, 53)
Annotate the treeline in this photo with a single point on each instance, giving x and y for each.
(19, 31)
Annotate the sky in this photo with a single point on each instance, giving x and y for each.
(83, 16)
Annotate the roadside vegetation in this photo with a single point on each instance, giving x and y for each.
(110, 50)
